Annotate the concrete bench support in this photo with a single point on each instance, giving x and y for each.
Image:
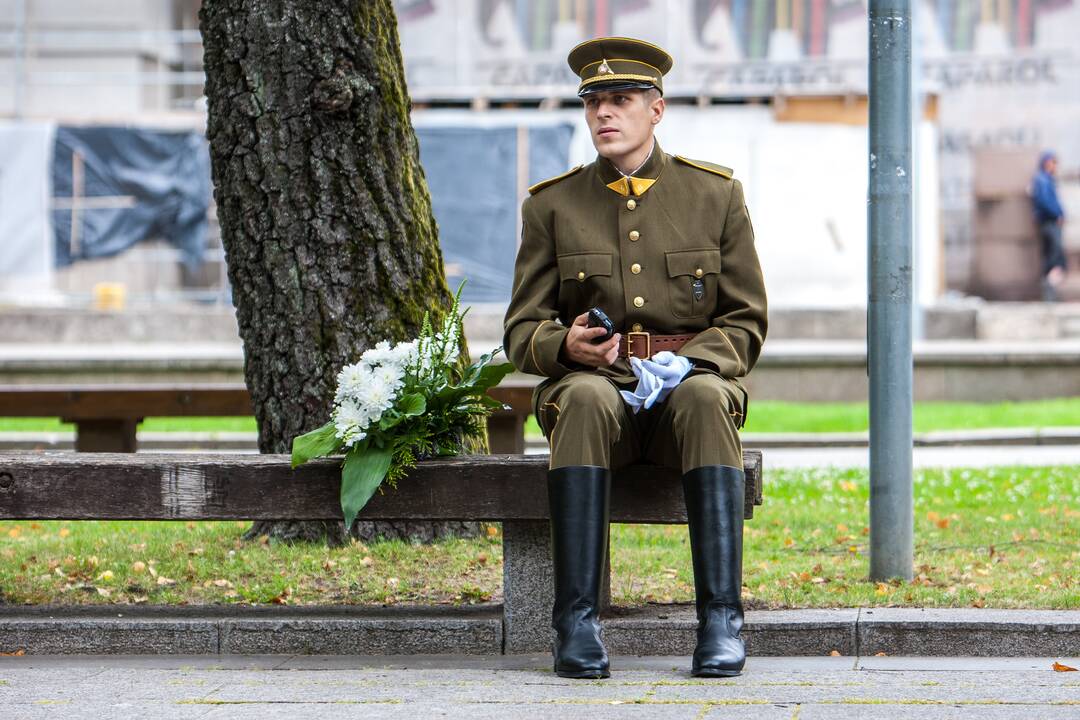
(528, 583)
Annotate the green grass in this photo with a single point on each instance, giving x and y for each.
(155, 424)
(764, 416)
(1001, 537)
(781, 417)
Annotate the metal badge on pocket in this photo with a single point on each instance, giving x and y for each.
(699, 289)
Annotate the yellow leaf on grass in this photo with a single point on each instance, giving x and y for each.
(64, 532)
(1058, 667)
(788, 542)
(138, 566)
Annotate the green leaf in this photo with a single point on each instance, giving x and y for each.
(413, 405)
(492, 375)
(316, 443)
(361, 475)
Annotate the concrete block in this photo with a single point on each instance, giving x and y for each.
(983, 633)
(950, 323)
(672, 630)
(528, 586)
(365, 633)
(110, 635)
(1016, 321)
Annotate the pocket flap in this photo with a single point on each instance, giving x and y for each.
(688, 262)
(582, 265)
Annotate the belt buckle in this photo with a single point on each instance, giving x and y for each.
(630, 344)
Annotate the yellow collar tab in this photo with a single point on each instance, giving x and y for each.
(625, 185)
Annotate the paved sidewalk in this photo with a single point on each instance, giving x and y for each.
(523, 686)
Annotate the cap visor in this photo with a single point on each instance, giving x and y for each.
(615, 85)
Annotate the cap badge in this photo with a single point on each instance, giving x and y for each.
(604, 69)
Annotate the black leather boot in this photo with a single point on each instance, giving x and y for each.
(714, 511)
(579, 498)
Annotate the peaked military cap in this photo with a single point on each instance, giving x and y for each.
(618, 63)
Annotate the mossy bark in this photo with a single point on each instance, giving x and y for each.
(325, 215)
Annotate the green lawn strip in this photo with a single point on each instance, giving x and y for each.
(1001, 537)
(154, 424)
(764, 416)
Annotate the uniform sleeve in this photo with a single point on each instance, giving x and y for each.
(532, 337)
(732, 343)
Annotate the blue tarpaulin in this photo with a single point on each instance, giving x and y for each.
(472, 173)
(116, 186)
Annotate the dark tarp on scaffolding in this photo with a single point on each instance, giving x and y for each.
(122, 185)
(473, 175)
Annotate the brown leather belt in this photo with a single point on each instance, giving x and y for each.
(644, 345)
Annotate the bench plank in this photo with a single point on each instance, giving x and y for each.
(121, 486)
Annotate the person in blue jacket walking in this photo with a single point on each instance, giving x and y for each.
(1050, 218)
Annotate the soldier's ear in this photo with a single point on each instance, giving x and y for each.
(657, 108)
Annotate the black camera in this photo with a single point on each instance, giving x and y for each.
(597, 318)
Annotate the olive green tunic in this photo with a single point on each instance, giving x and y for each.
(635, 248)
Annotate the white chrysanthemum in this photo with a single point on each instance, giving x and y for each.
(376, 398)
(378, 354)
(350, 419)
(352, 381)
(403, 353)
(390, 375)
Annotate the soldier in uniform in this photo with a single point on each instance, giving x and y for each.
(664, 246)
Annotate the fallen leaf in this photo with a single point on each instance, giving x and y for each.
(221, 582)
(881, 654)
(1058, 667)
(165, 581)
(64, 532)
(104, 592)
(834, 653)
(138, 567)
(15, 653)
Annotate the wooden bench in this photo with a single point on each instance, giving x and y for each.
(511, 489)
(106, 416)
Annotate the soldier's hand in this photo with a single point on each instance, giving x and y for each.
(580, 347)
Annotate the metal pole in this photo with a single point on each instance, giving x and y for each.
(889, 358)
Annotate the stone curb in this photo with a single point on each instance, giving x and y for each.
(477, 630)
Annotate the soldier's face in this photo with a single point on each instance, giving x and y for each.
(621, 121)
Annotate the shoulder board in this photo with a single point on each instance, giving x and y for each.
(551, 181)
(720, 170)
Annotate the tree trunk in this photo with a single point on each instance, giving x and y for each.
(325, 216)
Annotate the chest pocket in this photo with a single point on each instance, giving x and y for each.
(584, 279)
(693, 279)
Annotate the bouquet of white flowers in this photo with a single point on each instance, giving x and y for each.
(402, 403)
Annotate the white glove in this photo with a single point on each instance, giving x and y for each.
(656, 378)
